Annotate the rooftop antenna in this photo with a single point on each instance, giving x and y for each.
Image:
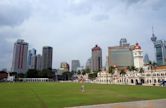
(153, 38)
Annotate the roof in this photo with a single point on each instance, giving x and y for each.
(96, 48)
(137, 46)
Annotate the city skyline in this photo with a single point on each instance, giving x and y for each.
(82, 23)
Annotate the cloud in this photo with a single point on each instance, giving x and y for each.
(8, 36)
(101, 17)
(13, 14)
(73, 27)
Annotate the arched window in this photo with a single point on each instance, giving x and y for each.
(132, 81)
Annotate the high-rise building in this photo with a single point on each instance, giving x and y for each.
(123, 42)
(160, 46)
(38, 62)
(138, 56)
(120, 56)
(19, 63)
(89, 64)
(31, 58)
(96, 58)
(65, 67)
(75, 64)
(47, 57)
(146, 59)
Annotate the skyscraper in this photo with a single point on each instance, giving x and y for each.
(75, 64)
(89, 64)
(146, 59)
(160, 46)
(96, 58)
(31, 58)
(19, 63)
(38, 62)
(47, 57)
(120, 56)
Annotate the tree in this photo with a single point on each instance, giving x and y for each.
(111, 70)
(129, 68)
(32, 73)
(141, 70)
(21, 75)
(79, 72)
(13, 74)
(122, 72)
(151, 66)
(67, 75)
(154, 64)
(92, 76)
(46, 73)
(133, 68)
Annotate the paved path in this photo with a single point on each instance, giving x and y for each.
(161, 103)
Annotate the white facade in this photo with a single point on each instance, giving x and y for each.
(35, 79)
(19, 63)
(103, 77)
(138, 56)
(147, 78)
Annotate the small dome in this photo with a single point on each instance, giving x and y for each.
(137, 46)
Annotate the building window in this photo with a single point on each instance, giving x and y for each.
(132, 81)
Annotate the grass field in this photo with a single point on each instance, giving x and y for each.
(57, 95)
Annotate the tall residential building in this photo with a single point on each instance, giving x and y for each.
(138, 56)
(20, 51)
(146, 59)
(38, 62)
(160, 46)
(96, 58)
(47, 57)
(75, 64)
(120, 56)
(31, 58)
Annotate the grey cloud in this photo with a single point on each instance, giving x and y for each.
(101, 17)
(79, 9)
(8, 35)
(13, 15)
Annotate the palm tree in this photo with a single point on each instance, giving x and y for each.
(111, 70)
(151, 66)
(141, 70)
(154, 64)
(133, 68)
(129, 68)
(122, 72)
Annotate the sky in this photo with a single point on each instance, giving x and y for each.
(73, 27)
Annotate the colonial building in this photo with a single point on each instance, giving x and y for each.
(148, 78)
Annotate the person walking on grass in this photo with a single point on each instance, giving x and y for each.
(82, 84)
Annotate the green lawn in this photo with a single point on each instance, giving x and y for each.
(57, 95)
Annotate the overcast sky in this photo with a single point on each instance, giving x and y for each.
(73, 27)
